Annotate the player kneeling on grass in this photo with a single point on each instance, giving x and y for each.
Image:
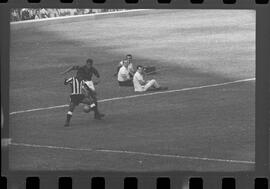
(147, 69)
(124, 78)
(141, 85)
(130, 66)
(79, 95)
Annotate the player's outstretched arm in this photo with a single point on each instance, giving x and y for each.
(67, 70)
(70, 69)
(96, 73)
(67, 81)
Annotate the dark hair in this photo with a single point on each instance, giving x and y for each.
(128, 55)
(89, 60)
(139, 66)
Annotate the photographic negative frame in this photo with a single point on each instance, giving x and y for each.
(113, 179)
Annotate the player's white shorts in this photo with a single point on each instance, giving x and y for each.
(90, 84)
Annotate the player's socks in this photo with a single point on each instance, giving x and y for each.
(97, 115)
(94, 108)
(69, 115)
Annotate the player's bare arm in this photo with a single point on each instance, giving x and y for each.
(142, 82)
(96, 73)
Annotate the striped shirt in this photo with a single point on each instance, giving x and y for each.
(76, 85)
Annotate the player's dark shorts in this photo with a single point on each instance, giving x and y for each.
(128, 83)
(76, 99)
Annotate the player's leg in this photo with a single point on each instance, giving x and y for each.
(97, 115)
(93, 95)
(94, 106)
(69, 113)
(152, 83)
(74, 101)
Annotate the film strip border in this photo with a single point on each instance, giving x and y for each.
(135, 183)
(139, 1)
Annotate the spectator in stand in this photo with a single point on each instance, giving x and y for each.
(88, 11)
(37, 14)
(14, 15)
(43, 13)
(25, 14)
(32, 13)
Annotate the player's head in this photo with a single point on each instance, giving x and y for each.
(125, 63)
(140, 69)
(129, 57)
(89, 62)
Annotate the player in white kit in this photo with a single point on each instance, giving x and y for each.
(140, 85)
(124, 78)
(130, 65)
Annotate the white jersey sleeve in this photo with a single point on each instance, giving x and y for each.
(137, 82)
(123, 74)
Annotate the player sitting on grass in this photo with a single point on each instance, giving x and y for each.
(147, 69)
(78, 95)
(141, 85)
(124, 77)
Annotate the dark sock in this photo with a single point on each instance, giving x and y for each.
(68, 117)
(95, 109)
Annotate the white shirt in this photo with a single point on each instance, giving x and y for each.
(137, 82)
(123, 74)
(130, 66)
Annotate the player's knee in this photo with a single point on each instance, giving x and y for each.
(71, 108)
(152, 81)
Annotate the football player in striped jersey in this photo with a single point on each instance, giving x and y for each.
(79, 95)
(85, 73)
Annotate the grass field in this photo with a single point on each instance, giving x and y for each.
(204, 122)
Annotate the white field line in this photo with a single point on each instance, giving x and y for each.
(75, 16)
(134, 153)
(139, 95)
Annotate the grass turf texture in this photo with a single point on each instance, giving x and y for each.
(197, 48)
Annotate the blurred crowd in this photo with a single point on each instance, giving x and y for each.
(29, 14)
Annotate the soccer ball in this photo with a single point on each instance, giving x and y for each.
(86, 108)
